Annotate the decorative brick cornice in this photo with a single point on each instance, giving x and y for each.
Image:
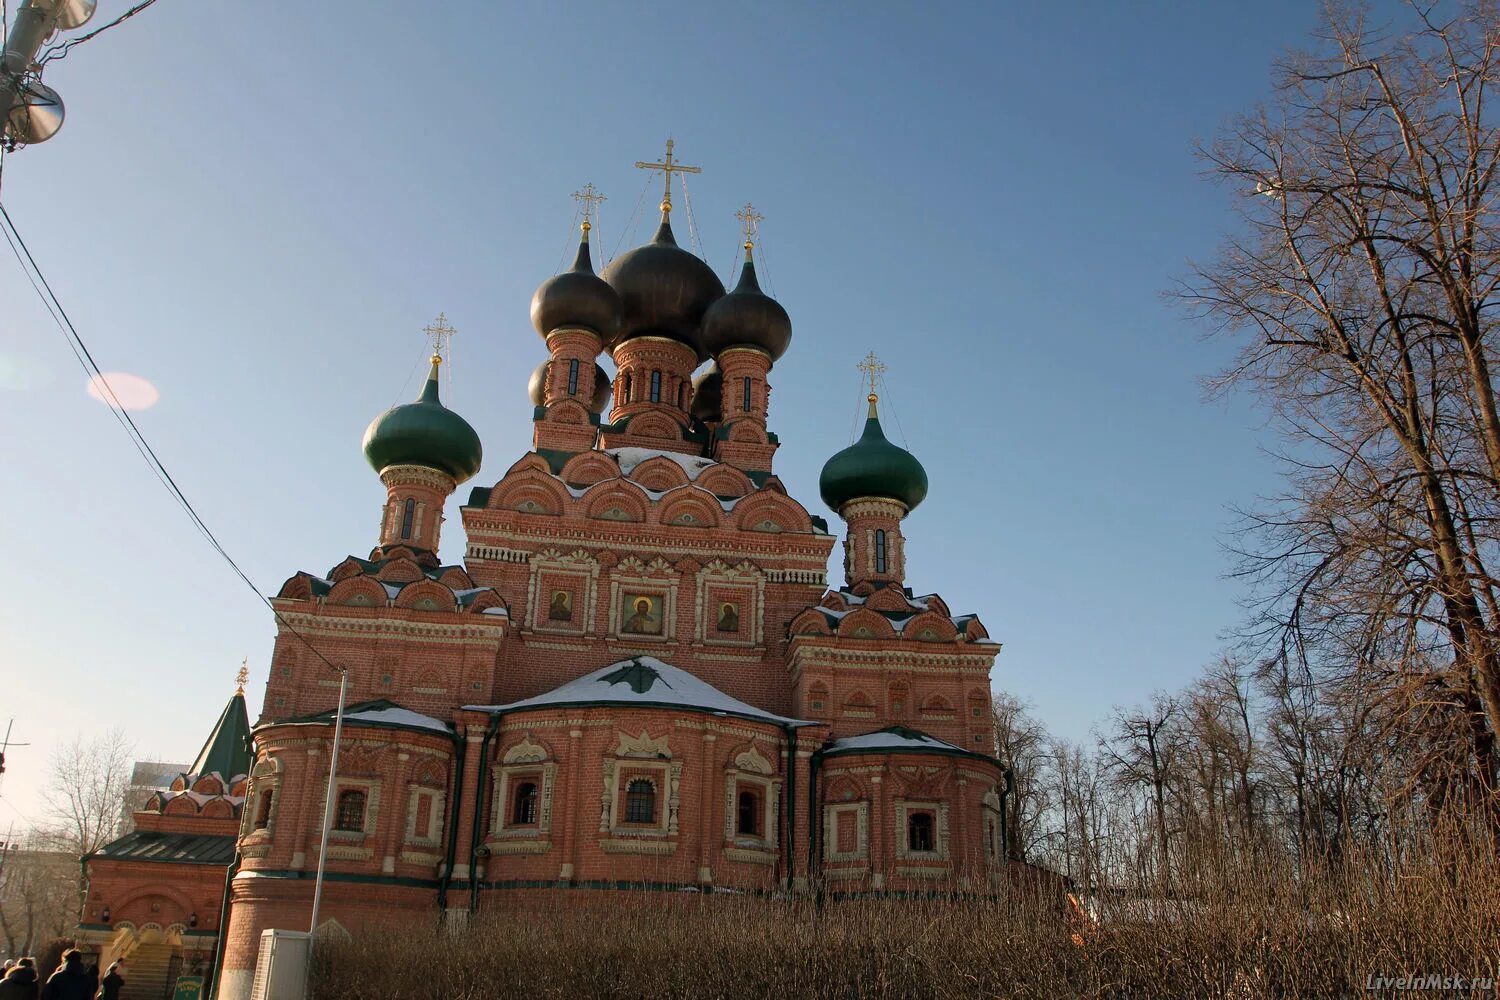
(417, 475)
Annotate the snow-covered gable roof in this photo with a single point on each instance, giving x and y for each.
(629, 458)
(895, 739)
(643, 681)
(382, 713)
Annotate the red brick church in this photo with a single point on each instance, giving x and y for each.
(638, 677)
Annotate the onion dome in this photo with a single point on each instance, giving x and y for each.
(425, 433)
(536, 387)
(708, 394)
(665, 291)
(577, 297)
(747, 317)
(873, 467)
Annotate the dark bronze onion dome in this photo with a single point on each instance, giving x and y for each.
(536, 387)
(873, 467)
(708, 394)
(747, 317)
(577, 297)
(425, 433)
(665, 291)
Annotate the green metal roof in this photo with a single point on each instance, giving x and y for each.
(228, 748)
(169, 848)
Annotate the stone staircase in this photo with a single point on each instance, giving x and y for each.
(147, 970)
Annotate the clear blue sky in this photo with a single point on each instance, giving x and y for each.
(259, 213)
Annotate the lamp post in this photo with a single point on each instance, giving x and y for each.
(333, 768)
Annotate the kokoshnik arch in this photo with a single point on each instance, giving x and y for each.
(638, 677)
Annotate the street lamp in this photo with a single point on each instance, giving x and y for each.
(30, 111)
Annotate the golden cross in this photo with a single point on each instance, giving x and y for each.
(440, 332)
(242, 676)
(588, 197)
(668, 166)
(750, 221)
(872, 368)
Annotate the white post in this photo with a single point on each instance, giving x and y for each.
(333, 768)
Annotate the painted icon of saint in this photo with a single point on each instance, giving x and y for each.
(644, 620)
(729, 618)
(562, 606)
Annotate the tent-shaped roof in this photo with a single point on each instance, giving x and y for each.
(228, 748)
(644, 682)
(897, 739)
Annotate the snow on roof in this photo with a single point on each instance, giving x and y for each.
(629, 458)
(394, 716)
(894, 739)
(642, 680)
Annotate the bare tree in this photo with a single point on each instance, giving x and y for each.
(1022, 743)
(1141, 752)
(38, 896)
(89, 780)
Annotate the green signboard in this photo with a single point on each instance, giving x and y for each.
(188, 988)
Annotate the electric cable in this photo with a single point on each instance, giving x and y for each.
(60, 51)
(122, 416)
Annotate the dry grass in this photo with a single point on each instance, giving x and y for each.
(1243, 931)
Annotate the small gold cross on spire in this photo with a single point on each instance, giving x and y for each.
(440, 332)
(242, 676)
(750, 221)
(872, 368)
(668, 166)
(589, 197)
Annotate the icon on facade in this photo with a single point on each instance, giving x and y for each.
(729, 617)
(561, 609)
(641, 613)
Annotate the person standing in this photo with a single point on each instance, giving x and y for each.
(112, 983)
(20, 981)
(71, 982)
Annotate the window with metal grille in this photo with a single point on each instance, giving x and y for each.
(350, 814)
(573, 377)
(656, 387)
(745, 405)
(880, 550)
(640, 801)
(919, 832)
(749, 814)
(408, 515)
(524, 812)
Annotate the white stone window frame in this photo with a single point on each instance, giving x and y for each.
(747, 579)
(750, 770)
(433, 835)
(371, 788)
(582, 567)
(658, 579)
(665, 776)
(265, 777)
(993, 824)
(831, 812)
(903, 810)
(508, 778)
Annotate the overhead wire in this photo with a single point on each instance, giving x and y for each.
(687, 204)
(91, 368)
(633, 216)
(61, 51)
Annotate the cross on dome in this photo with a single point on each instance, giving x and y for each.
(668, 166)
(589, 197)
(440, 333)
(750, 221)
(873, 369)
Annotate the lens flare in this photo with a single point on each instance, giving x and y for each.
(131, 391)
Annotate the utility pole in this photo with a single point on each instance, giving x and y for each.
(31, 111)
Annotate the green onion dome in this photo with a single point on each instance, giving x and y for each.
(425, 433)
(873, 467)
(665, 291)
(536, 387)
(577, 297)
(708, 394)
(747, 317)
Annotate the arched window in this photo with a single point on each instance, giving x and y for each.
(409, 513)
(746, 402)
(640, 801)
(682, 395)
(263, 810)
(573, 377)
(748, 822)
(525, 808)
(919, 832)
(350, 815)
(880, 550)
(626, 393)
(656, 387)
